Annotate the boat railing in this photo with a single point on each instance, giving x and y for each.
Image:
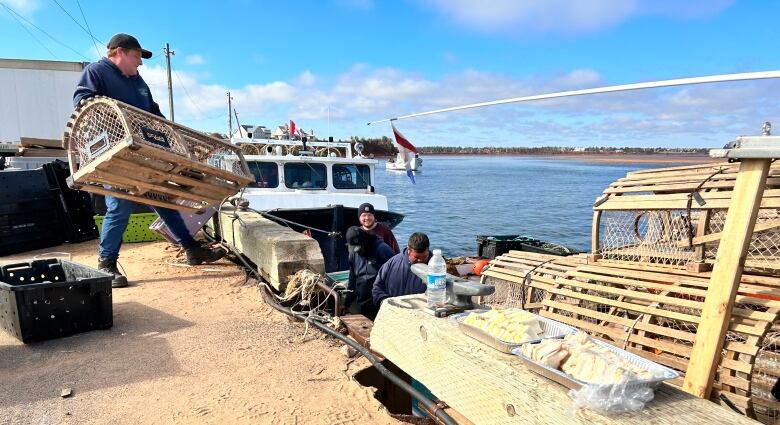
(272, 147)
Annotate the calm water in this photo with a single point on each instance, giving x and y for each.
(457, 198)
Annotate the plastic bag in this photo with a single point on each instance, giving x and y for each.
(611, 399)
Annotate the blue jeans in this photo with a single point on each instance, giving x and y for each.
(115, 222)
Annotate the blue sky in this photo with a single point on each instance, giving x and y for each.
(363, 60)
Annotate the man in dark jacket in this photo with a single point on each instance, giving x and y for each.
(116, 76)
(368, 222)
(396, 278)
(367, 254)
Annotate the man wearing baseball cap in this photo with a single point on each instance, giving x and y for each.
(116, 76)
(368, 222)
(367, 253)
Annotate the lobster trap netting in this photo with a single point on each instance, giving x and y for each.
(763, 254)
(649, 236)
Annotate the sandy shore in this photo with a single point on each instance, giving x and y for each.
(638, 159)
(189, 345)
(614, 158)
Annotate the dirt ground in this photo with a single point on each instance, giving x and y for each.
(188, 345)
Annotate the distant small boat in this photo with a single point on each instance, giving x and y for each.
(398, 164)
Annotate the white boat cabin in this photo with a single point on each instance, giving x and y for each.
(326, 174)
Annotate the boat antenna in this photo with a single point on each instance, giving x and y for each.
(609, 89)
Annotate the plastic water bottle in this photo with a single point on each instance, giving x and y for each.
(437, 280)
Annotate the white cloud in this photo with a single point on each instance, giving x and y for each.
(707, 115)
(306, 78)
(23, 7)
(564, 16)
(194, 60)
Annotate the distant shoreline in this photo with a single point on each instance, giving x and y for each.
(607, 158)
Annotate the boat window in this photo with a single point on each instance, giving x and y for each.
(351, 176)
(305, 176)
(266, 174)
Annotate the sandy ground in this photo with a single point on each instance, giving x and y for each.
(189, 345)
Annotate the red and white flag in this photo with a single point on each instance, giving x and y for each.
(292, 128)
(407, 151)
(401, 140)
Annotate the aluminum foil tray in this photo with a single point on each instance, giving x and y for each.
(660, 373)
(550, 329)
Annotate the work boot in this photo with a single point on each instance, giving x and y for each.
(108, 265)
(198, 255)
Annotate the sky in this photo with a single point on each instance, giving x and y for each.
(334, 65)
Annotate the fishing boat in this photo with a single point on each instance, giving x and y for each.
(315, 188)
(399, 163)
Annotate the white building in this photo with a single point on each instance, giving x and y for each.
(37, 97)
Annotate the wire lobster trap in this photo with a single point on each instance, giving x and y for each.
(118, 150)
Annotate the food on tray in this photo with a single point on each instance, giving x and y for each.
(579, 356)
(509, 325)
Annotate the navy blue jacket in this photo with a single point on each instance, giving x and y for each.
(103, 78)
(362, 272)
(395, 278)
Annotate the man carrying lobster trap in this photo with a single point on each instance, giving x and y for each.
(116, 76)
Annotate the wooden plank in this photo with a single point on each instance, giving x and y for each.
(683, 187)
(128, 165)
(715, 237)
(726, 275)
(713, 200)
(624, 305)
(618, 336)
(140, 199)
(33, 142)
(226, 175)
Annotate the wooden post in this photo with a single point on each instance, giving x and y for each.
(595, 243)
(726, 275)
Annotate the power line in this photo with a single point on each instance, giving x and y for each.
(88, 28)
(44, 32)
(31, 34)
(187, 93)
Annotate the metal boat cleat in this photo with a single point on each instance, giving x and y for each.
(459, 290)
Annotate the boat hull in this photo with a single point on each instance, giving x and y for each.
(327, 226)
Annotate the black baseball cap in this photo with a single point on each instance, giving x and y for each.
(365, 208)
(354, 236)
(127, 41)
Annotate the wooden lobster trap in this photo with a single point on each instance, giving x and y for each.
(654, 311)
(685, 271)
(118, 150)
(675, 217)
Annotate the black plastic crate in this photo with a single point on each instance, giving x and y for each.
(496, 245)
(46, 299)
(74, 206)
(29, 225)
(23, 185)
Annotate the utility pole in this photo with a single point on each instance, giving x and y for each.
(230, 116)
(168, 54)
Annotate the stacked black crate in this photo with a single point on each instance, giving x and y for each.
(74, 206)
(28, 212)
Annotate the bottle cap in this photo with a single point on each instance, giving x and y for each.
(436, 252)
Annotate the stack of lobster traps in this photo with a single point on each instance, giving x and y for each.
(119, 150)
(655, 237)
